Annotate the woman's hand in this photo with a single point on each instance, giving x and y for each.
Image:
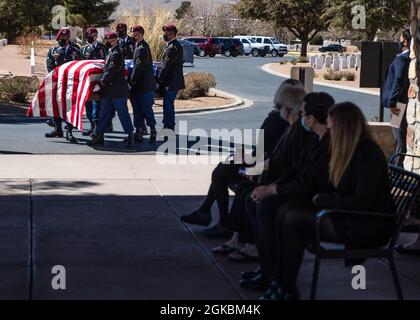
(263, 192)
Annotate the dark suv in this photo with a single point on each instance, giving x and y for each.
(230, 47)
(207, 46)
(333, 48)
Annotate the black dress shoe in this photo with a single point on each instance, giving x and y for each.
(129, 141)
(197, 218)
(138, 137)
(96, 140)
(218, 232)
(258, 283)
(54, 134)
(250, 274)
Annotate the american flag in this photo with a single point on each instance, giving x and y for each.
(64, 91)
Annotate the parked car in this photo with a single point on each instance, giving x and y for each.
(230, 47)
(333, 48)
(207, 46)
(190, 49)
(276, 47)
(250, 45)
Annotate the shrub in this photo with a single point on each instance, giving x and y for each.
(333, 75)
(283, 62)
(197, 85)
(349, 75)
(17, 88)
(303, 60)
(293, 62)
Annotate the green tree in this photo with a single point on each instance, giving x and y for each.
(182, 10)
(381, 15)
(22, 16)
(304, 18)
(92, 13)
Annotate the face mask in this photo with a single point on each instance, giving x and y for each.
(400, 45)
(121, 34)
(62, 42)
(90, 40)
(108, 45)
(165, 37)
(305, 126)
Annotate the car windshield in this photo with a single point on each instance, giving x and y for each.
(275, 41)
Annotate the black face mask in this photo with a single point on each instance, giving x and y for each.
(165, 37)
(121, 34)
(400, 45)
(90, 40)
(108, 45)
(62, 42)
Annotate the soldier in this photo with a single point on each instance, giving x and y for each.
(114, 93)
(94, 50)
(63, 53)
(125, 42)
(143, 86)
(171, 76)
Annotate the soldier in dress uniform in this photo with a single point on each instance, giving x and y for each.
(171, 76)
(143, 86)
(63, 53)
(94, 50)
(114, 93)
(126, 43)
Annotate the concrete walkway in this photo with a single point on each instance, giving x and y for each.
(113, 223)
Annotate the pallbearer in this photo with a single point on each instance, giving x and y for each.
(171, 76)
(63, 53)
(114, 93)
(143, 86)
(94, 50)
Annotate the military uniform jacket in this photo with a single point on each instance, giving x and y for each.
(58, 56)
(113, 83)
(172, 73)
(95, 51)
(127, 47)
(143, 78)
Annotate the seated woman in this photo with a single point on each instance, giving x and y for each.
(241, 247)
(359, 173)
(304, 180)
(227, 176)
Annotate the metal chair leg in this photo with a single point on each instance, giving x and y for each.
(315, 277)
(395, 278)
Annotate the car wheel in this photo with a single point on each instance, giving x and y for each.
(235, 55)
(255, 52)
(281, 55)
(212, 55)
(263, 54)
(227, 53)
(274, 53)
(202, 53)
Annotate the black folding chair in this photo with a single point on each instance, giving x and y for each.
(405, 189)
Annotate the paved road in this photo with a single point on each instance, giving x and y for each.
(241, 76)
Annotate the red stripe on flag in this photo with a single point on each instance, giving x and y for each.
(75, 90)
(53, 93)
(64, 88)
(41, 99)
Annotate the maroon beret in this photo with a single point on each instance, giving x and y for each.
(63, 32)
(170, 27)
(137, 29)
(90, 31)
(111, 35)
(121, 26)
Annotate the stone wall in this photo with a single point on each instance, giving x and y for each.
(413, 111)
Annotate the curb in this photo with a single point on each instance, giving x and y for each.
(239, 104)
(267, 69)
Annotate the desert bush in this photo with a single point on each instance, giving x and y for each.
(17, 88)
(349, 75)
(333, 75)
(283, 62)
(152, 21)
(197, 85)
(293, 62)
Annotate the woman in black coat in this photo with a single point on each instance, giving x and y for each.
(359, 173)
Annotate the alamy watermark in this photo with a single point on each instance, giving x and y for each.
(359, 17)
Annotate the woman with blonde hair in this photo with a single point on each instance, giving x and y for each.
(358, 172)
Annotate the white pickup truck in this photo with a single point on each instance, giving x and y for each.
(276, 47)
(250, 45)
